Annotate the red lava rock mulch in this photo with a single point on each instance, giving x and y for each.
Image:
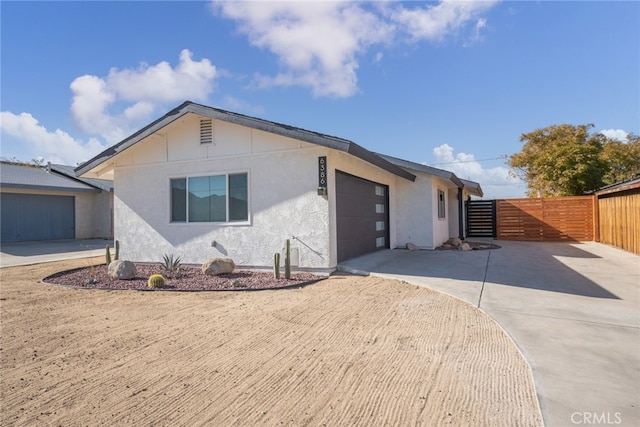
(191, 279)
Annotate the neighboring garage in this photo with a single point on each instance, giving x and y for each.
(48, 203)
(362, 216)
(37, 217)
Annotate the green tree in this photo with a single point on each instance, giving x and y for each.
(622, 158)
(560, 160)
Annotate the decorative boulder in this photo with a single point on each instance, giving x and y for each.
(217, 266)
(412, 247)
(122, 270)
(454, 241)
(465, 247)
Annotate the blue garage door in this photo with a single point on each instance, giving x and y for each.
(37, 217)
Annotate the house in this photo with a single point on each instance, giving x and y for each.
(201, 182)
(50, 203)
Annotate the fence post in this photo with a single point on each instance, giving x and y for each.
(596, 218)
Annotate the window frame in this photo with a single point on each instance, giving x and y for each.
(226, 176)
(442, 204)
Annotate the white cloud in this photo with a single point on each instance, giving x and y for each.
(146, 88)
(114, 106)
(318, 43)
(435, 22)
(495, 181)
(161, 83)
(57, 146)
(618, 134)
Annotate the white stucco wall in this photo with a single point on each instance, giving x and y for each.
(102, 215)
(441, 225)
(453, 211)
(283, 200)
(415, 211)
(93, 215)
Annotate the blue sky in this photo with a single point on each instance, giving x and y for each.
(449, 84)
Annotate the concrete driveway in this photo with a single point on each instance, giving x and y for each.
(27, 253)
(573, 309)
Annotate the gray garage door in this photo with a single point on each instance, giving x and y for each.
(362, 214)
(37, 217)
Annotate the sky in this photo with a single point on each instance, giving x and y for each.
(450, 84)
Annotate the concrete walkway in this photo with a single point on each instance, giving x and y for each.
(573, 309)
(28, 253)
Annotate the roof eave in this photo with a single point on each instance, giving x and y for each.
(617, 188)
(252, 122)
(65, 172)
(131, 140)
(48, 188)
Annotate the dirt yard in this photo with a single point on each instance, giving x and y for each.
(347, 351)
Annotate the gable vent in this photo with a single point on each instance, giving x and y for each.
(206, 131)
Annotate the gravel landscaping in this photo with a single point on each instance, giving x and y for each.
(190, 279)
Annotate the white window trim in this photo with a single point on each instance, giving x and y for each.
(217, 223)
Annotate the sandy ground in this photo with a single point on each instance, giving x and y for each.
(347, 351)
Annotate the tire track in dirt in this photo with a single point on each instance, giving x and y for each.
(345, 351)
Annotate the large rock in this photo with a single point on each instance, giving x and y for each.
(122, 270)
(465, 246)
(217, 266)
(454, 241)
(412, 247)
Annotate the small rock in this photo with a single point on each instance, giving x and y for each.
(217, 266)
(412, 247)
(465, 247)
(122, 270)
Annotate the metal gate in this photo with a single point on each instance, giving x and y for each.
(481, 218)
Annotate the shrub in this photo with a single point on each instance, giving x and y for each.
(156, 281)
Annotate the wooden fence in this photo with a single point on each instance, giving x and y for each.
(547, 219)
(619, 220)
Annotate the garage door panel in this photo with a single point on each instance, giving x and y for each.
(37, 217)
(362, 216)
(61, 218)
(33, 221)
(10, 215)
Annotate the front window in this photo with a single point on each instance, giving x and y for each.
(216, 198)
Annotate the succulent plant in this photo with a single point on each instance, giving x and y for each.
(156, 281)
(171, 265)
(276, 265)
(287, 261)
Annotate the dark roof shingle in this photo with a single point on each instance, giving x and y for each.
(38, 178)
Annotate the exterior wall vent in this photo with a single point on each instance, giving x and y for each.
(206, 131)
